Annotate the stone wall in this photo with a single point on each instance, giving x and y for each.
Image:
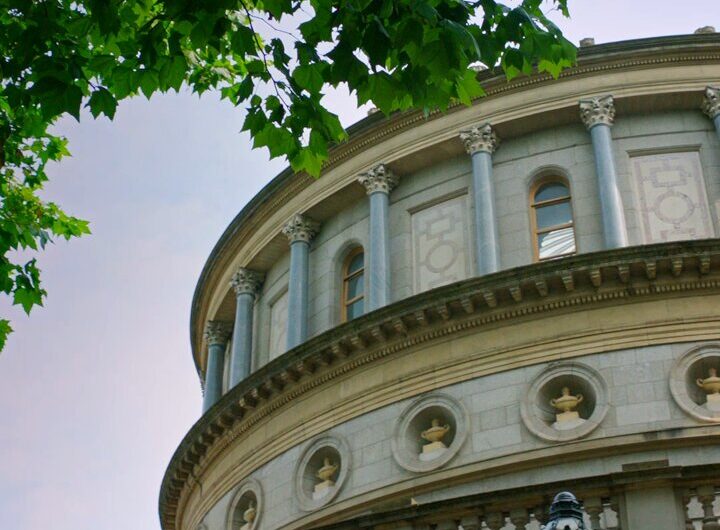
(492, 423)
(565, 151)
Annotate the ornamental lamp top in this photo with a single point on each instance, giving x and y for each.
(565, 513)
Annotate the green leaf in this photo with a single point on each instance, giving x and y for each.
(309, 77)
(102, 102)
(5, 330)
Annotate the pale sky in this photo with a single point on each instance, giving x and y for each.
(98, 387)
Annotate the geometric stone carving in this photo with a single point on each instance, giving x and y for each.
(597, 110)
(480, 138)
(300, 228)
(379, 178)
(670, 195)
(246, 281)
(440, 242)
(278, 326)
(217, 332)
(711, 103)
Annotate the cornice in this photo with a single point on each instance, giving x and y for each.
(635, 54)
(577, 281)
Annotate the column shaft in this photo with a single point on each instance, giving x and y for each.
(487, 246)
(213, 375)
(611, 207)
(379, 252)
(297, 315)
(716, 121)
(217, 333)
(242, 338)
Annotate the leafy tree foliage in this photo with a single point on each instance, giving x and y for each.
(57, 56)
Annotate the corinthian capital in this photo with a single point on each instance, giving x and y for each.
(711, 103)
(217, 332)
(480, 138)
(300, 228)
(597, 110)
(246, 281)
(379, 178)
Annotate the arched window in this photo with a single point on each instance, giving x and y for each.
(353, 291)
(552, 220)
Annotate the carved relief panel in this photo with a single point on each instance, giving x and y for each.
(278, 326)
(440, 244)
(670, 196)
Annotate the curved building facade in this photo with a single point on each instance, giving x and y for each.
(473, 310)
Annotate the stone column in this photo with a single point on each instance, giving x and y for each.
(300, 230)
(598, 115)
(378, 182)
(711, 106)
(216, 337)
(480, 143)
(246, 284)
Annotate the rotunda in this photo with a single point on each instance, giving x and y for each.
(472, 311)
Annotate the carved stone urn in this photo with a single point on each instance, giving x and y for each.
(711, 387)
(249, 516)
(568, 417)
(434, 435)
(325, 474)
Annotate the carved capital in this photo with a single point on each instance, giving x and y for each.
(711, 103)
(480, 138)
(217, 332)
(597, 110)
(300, 228)
(246, 281)
(380, 178)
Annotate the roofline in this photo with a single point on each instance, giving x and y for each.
(371, 121)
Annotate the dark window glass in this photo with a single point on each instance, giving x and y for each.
(551, 190)
(553, 215)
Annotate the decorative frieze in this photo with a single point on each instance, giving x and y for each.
(598, 110)
(378, 179)
(711, 103)
(301, 228)
(246, 281)
(217, 332)
(480, 138)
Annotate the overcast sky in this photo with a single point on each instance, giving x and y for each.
(98, 387)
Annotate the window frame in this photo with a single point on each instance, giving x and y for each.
(346, 277)
(534, 205)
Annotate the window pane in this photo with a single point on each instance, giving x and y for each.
(355, 286)
(553, 215)
(355, 264)
(556, 243)
(355, 309)
(551, 190)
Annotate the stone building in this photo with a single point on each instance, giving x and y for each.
(472, 311)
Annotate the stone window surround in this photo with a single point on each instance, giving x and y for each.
(540, 178)
(451, 406)
(589, 376)
(306, 502)
(678, 382)
(252, 486)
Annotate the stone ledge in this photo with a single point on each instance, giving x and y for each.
(637, 54)
(574, 281)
